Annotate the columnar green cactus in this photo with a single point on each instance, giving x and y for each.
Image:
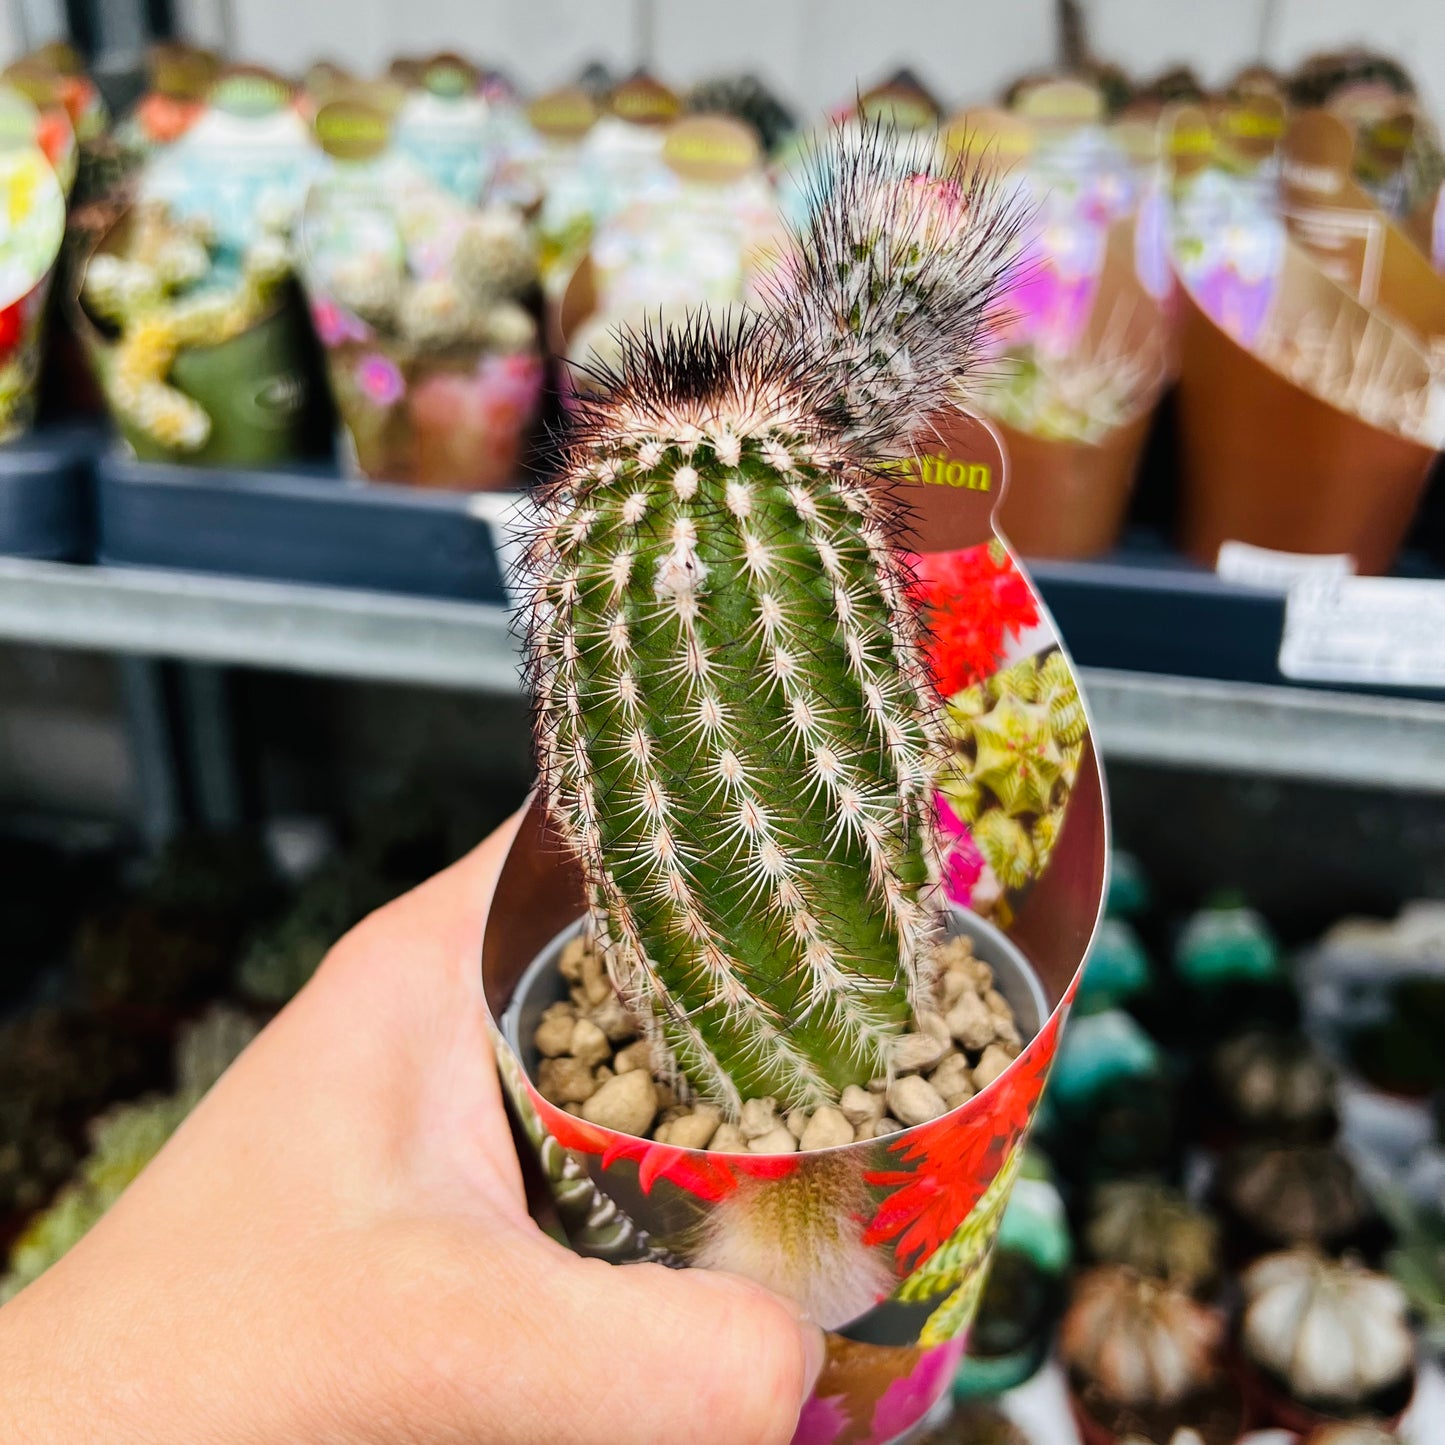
(734, 724)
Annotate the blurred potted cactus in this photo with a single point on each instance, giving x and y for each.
(123, 1140)
(1143, 1358)
(1270, 1084)
(426, 309)
(738, 738)
(1322, 1341)
(202, 358)
(1273, 1196)
(1153, 1230)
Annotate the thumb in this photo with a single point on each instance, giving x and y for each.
(692, 1353)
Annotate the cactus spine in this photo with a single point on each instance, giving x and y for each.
(733, 722)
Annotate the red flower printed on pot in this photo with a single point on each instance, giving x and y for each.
(705, 1176)
(975, 603)
(12, 325)
(954, 1159)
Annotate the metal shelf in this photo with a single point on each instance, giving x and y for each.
(1230, 726)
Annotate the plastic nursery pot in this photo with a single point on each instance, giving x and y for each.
(257, 388)
(1267, 463)
(884, 1242)
(1217, 1414)
(460, 421)
(1068, 499)
(1269, 1407)
(890, 1238)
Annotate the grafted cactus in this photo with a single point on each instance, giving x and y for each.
(733, 720)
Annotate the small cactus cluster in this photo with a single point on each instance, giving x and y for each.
(1018, 742)
(473, 300)
(1333, 1333)
(735, 727)
(160, 295)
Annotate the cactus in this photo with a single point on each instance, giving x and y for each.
(733, 720)
(156, 296)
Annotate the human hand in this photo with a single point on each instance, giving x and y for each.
(334, 1249)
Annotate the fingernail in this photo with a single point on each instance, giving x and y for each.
(815, 1343)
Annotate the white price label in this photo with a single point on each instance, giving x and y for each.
(1272, 571)
(1387, 631)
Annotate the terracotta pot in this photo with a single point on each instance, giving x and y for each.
(1267, 463)
(897, 1325)
(1068, 499)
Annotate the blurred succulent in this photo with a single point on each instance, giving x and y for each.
(1226, 944)
(1130, 894)
(1333, 1334)
(433, 314)
(1141, 1341)
(1110, 1109)
(1119, 971)
(123, 1141)
(171, 940)
(1155, 1231)
(36, 1154)
(1276, 1085)
(1297, 1194)
(1320, 76)
(1076, 396)
(1024, 1293)
(1354, 1432)
(66, 1062)
(370, 284)
(1417, 1261)
(137, 954)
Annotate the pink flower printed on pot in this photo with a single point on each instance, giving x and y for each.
(1057, 279)
(908, 1399)
(380, 379)
(1236, 303)
(336, 325)
(962, 862)
(469, 427)
(822, 1421)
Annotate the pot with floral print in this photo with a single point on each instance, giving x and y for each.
(779, 1042)
(34, 211)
